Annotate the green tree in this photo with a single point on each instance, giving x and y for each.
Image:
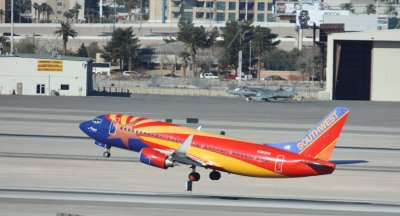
(195, 38)
(348, 7)
(4, 44)
(185, 58)
(309, 61)
(1, 15)
(123, 47)
(129, 5)
(75, 10)
(65, 31)
(262, 41)
(277, 59)
(93, 49)
(82, 51)
(370, 9)
(26, 45)
(235, 36)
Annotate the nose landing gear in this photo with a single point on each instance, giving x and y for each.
(107, 153)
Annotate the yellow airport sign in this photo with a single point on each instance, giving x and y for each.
(50, 65)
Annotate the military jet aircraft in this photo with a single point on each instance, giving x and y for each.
(263, 94)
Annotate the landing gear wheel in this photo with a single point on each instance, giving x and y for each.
(106, 154)
(215, 175)
(248, 99)
(194, 176)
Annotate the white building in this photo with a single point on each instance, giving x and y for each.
(31, 74)
(363, 66)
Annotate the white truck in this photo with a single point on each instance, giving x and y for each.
(103, 68)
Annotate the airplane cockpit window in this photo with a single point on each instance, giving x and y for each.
(237, 89)
(96, 121)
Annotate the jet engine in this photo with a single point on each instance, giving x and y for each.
(155, 158)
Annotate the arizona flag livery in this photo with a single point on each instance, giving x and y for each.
(162, 145)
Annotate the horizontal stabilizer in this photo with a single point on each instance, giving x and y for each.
(344, 162)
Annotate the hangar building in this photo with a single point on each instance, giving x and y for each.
(32, 74)
(363, 66)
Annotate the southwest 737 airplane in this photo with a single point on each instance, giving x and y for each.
(162, 145)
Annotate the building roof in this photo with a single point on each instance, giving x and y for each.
(382, 35)
(41, 56)
(169, 48)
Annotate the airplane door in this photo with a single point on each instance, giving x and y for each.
(113, 125)
(279, 163)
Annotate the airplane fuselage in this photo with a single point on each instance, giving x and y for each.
(218, 152)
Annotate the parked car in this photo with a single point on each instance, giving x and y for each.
(129, 73)
(105, 34)
(208, 75)
(230, 77)
(171, 75)
(9, 34)
(274, 77)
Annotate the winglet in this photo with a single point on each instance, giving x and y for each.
(182, 150)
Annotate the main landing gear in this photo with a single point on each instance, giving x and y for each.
(195, 176)
(107, 153)
(215, 175)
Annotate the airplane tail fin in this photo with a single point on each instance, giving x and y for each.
(319, 142)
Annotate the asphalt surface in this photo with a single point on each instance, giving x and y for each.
(48, 166)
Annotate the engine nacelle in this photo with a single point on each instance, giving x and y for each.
(155, 158)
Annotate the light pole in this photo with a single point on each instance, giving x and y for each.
(250, 58)
(240, 55)
(246, 8)
(12, 27)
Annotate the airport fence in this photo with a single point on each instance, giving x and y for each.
(187, 92)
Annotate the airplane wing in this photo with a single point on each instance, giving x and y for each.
(181, 156)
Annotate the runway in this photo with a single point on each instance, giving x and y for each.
(48, 166)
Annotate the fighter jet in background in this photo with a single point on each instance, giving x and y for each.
(263, 94)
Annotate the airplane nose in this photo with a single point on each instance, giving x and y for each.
(84, 127)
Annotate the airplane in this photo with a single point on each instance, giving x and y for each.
(263, 94)
(164, 145)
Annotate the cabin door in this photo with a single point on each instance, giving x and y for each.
(279, 163)
(113, 126)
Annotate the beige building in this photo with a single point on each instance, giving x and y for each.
(3, 7)
(59, 7)
(363, 66)
(210, 10)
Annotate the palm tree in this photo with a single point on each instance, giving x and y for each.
(195, 38)
(184, 56)
(40, 10)
(65, 31)
(68, 14)
(46, 9)
(129, 4)
(76, 9)
(370, 9)
(36, 8)
(49, 11)
(1, 15)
